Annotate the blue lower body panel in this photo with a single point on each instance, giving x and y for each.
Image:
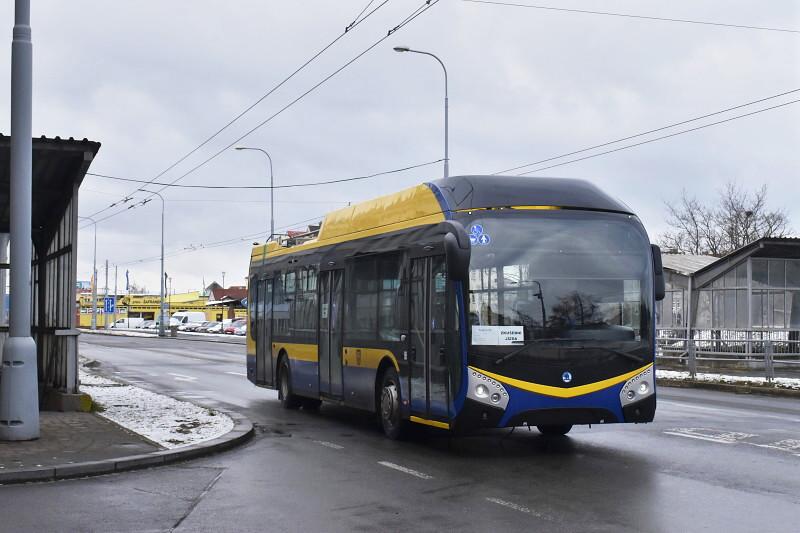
(522, 403)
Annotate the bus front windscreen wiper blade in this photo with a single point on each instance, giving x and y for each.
(626, 355)
(529, 342)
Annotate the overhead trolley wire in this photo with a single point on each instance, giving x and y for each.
(668, 126)
(267, 187)
(216, 244)
(660, 138)
(358, 20)
(417, 12)
(629, 15)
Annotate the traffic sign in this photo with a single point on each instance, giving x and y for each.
(109, 304)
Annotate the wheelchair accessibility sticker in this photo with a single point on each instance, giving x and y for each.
(477, 237)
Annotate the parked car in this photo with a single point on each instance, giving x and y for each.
(215, 328)
(231, 329)
(241, 330)
(203, 328)
(128, 323)
(149, 324)
(186, 317)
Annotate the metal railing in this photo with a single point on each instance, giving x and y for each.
(768, 353)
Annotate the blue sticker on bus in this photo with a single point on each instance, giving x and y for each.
(477, 237)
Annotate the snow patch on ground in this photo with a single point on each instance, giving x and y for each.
(784, 383)
(169, 422)
(120, 332)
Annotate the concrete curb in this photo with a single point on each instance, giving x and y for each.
(729, 387)
(241, 432)
(227, 339)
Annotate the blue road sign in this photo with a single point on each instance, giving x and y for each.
(109, 305)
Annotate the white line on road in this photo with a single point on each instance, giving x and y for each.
(329, 444)
(405, 470)
(699, 437)
(512, 505)
(181, 377)
(736, 411)
(237, 374)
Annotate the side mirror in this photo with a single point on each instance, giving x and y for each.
(457, 250)
(658, 273)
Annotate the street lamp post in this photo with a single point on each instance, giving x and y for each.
(271, 190)
(94, 273)
(161, 281)
(446, 126)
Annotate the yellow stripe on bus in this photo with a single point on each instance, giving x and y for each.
(560, 392)
(367, 357)
(434, 423)
(297, 352)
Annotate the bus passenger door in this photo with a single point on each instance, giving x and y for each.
(264, 367)
(427, 352)
(331, 285)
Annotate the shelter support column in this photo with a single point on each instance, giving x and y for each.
(19, 391)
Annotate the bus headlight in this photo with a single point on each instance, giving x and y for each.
(486, 390)
(637, 388)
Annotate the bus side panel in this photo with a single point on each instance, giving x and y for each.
(360, 372)
(303, 367)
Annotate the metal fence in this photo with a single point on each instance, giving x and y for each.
(769, 353)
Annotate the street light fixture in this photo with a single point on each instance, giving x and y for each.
(271, 190)
(94, 273)
(161, 281)
(446, 153)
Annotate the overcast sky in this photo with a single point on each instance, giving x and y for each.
(152, 80)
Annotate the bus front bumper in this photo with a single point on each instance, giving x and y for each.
(492, 403)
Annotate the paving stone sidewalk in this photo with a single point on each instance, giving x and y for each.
(72, 437)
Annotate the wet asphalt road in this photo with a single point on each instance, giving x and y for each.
(710, 462)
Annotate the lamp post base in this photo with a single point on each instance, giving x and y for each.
(19, 390)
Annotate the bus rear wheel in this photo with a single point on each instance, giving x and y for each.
(288, 399)
(393, 425)
(554, 429)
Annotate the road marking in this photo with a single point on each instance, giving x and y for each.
(237, 374)
(181, 377)
(512, 505)
(698, 437)
(736, 411)
(405, 470)
(329, 444)
(729, 437)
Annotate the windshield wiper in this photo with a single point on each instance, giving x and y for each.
(626, 355)
(528, 342)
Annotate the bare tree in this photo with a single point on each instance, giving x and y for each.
(738, 218)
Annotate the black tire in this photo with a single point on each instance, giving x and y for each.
(388, 405)
(288, 399)
(311, 404)
(554, 429)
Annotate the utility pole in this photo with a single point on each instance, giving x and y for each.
(94, 274)
(223, 280)
(19, 392)
(105, 298)
(115, 296)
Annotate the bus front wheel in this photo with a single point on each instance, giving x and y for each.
(288, 399)
(554, 429)
(389, 406)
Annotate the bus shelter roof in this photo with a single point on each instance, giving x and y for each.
(59, 165)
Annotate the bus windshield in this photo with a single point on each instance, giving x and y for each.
(557, 277)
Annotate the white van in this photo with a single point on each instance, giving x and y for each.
(133, 322)
(186, 317)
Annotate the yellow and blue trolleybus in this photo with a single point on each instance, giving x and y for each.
(468, 302)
